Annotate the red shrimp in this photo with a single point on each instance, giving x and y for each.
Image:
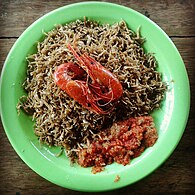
(102, 89)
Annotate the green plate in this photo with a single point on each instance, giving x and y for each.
(170, 120)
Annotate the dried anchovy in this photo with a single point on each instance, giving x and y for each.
(61, 121)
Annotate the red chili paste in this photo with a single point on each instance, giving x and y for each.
(120, 143)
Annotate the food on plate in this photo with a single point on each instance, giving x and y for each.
(89, 83)
(85, 82)
(117, 178)
(119, 143)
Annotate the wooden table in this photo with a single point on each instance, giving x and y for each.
(176, 175)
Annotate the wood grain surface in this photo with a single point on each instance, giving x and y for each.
(177, 174)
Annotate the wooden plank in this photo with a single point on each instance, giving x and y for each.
(176, 175)
(176, 17)
(5, 46)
